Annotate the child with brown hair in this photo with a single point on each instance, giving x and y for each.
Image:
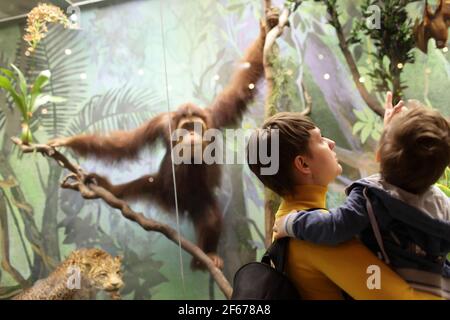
(307, 165)
(398, 213)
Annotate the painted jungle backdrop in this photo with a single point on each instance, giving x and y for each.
(113, 72)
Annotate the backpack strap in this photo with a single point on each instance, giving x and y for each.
(375, 227)
(276, 253)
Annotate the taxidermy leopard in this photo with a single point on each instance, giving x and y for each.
(79, 277)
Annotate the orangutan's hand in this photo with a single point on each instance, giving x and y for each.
(99, 181)
(58, 142)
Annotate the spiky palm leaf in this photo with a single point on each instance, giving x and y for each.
(122, 108)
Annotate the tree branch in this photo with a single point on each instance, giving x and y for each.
(369, 99)
(271, 38)
(88, 190)
(271, 199)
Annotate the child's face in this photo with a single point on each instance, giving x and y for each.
(322, 162)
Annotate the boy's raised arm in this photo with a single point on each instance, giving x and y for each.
(390, 111)
(331, 228)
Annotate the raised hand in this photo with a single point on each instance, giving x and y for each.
(390, 111)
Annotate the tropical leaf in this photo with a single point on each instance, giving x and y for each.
(368, 124)
(360, 115)
(22, 81)
(43, 99)
(6, 84)
(41, 81)
(365, 133)
(376, 135)
(137, 268)
(7, 72)
(122, 108)
(357, 127)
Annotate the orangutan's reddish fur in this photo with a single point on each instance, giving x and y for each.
(195, 183)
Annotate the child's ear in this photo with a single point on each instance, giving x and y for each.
(378, 156)
(301, 165)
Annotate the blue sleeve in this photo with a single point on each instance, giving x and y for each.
(334, 227)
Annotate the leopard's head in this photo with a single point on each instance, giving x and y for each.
(100, 269)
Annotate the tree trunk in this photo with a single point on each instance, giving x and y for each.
(369, 99)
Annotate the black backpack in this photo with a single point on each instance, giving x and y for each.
(260, 281)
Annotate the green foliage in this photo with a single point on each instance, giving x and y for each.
(368, 125)
(26, 100)
(444, 182)
(394, 42)
(142, 275)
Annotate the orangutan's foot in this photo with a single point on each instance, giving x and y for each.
(218, 261)
(198, 265)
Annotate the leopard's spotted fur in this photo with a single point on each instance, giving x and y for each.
(97, 270)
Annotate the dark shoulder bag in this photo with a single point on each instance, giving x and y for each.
(261, 281)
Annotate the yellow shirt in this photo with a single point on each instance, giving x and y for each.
(319, 271)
